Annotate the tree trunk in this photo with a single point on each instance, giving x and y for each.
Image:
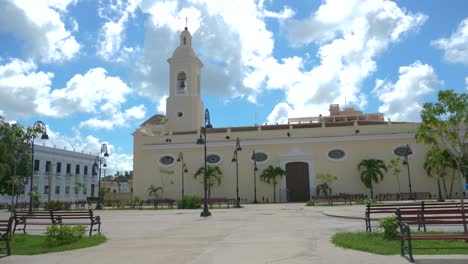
(441, 199)
(451, 184)
(372, 192)
(445, 188)
(274, 192)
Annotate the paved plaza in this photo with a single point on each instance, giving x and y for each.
(280, 233)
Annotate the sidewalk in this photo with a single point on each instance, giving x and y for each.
(280, 233)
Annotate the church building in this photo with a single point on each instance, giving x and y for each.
(166, 154)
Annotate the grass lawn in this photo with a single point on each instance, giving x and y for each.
(24, 244)
(373, 242)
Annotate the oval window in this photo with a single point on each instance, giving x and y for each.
(166, 160)
(403, 151)
(259, 157)
(336, 154)
(213, 159)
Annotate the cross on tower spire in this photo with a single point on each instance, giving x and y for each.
(186, 23)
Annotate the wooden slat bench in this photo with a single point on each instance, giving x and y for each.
(331, 199)
(428, 217)
(5, 233)
(86, 217)
(24, 218)
(390, 208)
(164, 202)
(45, 218)
(221, 201)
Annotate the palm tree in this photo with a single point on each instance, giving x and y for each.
(325, 180)
(394, 167)
(434, 161)
(372, 171)
(269, 176)
(153, 191)
(214, 176)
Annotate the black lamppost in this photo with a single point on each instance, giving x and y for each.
(200, 141)
(100, 159)
(236, 160)
(180, 158)
(254, 157)
(406, 162)
(38, 126)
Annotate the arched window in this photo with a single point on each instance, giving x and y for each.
(181, 83)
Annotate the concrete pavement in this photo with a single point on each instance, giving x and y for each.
(280, 233)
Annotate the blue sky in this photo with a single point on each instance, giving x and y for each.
(94, 70)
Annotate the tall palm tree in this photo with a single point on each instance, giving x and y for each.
(269, 176)
(434, 164)
(372, 171)
(214, 175)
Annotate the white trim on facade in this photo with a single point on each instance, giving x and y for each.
(288, 141)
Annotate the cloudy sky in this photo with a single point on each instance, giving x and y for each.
(93, 70)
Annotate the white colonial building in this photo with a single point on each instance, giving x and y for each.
(61, 175)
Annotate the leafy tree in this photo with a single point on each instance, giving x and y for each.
(434, 165)
(270, 174)
(324, 179)
(78, 186)
(214, 175)
(394, 167)
(372, 171)
(445, 123)
(153, 191)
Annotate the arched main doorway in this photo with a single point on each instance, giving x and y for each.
(297, 182)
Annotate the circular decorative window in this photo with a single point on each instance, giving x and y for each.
(167, 161)
(402, 151)
(336, 154)
(259, 156)
(213, 159)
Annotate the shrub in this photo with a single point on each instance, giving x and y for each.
(310, 203)
(189, 202)
(62, 235)
(56, 206)
(390, 227)
(366, 201)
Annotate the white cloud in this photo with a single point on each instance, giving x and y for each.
(401, 101)
(113, 117)
(111, 38)
(456, 47)
(117, 160)
(84, 92)
(23, 90)
(279, 114)
(350, 35)
(40, 26)
(162, 105)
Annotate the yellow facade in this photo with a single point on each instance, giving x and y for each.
(159, 142)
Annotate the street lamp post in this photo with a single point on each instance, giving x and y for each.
(100, 159)
(207, 124)
(38, 126)
(235, 158)
(180, 158)
(254, 157)
(406, 162)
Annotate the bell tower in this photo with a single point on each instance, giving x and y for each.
(184, 108)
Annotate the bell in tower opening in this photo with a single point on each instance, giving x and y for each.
(181, 83)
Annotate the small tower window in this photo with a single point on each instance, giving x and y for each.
(181, 83)
(185, 41)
